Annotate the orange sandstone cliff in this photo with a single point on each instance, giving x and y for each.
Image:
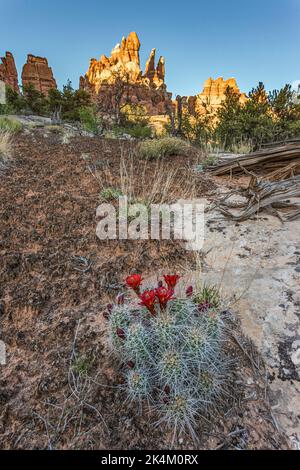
(147, 89)
(213, 95)
(8, 71)
(37, 71)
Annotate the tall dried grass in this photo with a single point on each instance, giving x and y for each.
(149, 182)
(5, 148)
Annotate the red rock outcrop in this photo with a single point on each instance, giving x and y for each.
(147, 89)
(213, 95)
(8, 71)
(37, 71)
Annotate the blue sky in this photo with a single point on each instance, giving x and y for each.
(253, 41)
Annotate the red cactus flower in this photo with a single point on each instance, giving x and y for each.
(130, 364)
(109, 307)
(189, 291)
(164, 295)
(167, 390)
(121, 333)
(134, 281)
(203, 306)
(120, 299)
(148, 298)
(171, 280)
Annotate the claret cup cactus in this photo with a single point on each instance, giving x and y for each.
(171, 349)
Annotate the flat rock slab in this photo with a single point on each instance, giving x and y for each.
(257, 265)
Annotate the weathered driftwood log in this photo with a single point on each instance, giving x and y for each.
(261, 194)
(276, 163)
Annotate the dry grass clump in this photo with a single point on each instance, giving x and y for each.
(164, 147)
(154, 183)
(10, 125)
(5, 148)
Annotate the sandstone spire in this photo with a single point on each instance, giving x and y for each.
(160, 69)
(8, 71)
(133, 45)
(150, 66)
(37, 71)
(148, 89)
(213, 95)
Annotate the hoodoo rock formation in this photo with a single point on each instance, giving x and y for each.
(147, 89)
(121, 74)
(213, 95)
(37, 71)
(8, 71)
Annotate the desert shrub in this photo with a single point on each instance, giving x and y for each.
(74, 105)
(34, 101)
(6, 109)
(171, 349)
(14, 102)
(134, 114)
(81, 365)
(110, 194)
(55, 100)
(134, 121)
(5, 148)
(164, 147)
(210, 160)
(197, 128)
(10, 125)
(89, 119)
(139, 131)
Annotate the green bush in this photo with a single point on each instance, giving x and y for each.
(138, 131)
(71, 104)
(110, 194)
(15, 102)
(89, 120)
(132, 114)
(35, 101)
(164, 147)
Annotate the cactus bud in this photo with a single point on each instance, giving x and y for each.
(120, 299)
(189, 291)
(121, 333)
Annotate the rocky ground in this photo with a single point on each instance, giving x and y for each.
(60, 386)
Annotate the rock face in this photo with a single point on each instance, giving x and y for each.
(147, 89)
(8, 71)
(37, 71)
(213, 95)
(261, 282)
